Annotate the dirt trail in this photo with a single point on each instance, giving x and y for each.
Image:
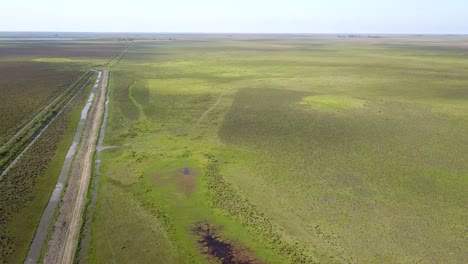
(47, 216)
(218, 100)
(64, 240)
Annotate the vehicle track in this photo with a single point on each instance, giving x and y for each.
(218, 100)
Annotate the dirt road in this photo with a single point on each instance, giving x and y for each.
(40, 236)
(64, 240)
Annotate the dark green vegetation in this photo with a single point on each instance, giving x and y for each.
(305, 149)
(26, 88)
(26, 188)
(37, 76)
(32, 74)
(13, 147)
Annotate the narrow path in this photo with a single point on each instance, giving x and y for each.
(141, 111)
(48, 214)
(218, 100)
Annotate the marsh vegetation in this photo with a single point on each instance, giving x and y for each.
(317, 149)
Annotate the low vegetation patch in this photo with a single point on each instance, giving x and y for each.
(330, 103)
(54, 60)
(219, 249)
(26, 88)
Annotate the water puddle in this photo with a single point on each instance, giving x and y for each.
(219, 249)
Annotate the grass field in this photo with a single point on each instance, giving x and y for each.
(300, 150)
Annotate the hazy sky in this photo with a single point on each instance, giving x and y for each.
(267, 16)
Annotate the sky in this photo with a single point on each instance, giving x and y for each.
(237, 16)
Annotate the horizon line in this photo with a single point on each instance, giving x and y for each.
(232, 33)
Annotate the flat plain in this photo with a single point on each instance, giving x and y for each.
(285, 149)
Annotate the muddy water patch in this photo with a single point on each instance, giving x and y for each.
(184, 178)
(219, 249)
(84, 112)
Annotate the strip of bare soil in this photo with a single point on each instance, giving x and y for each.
(64, 240)
(183, 178)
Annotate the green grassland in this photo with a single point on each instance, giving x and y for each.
(302, 150)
